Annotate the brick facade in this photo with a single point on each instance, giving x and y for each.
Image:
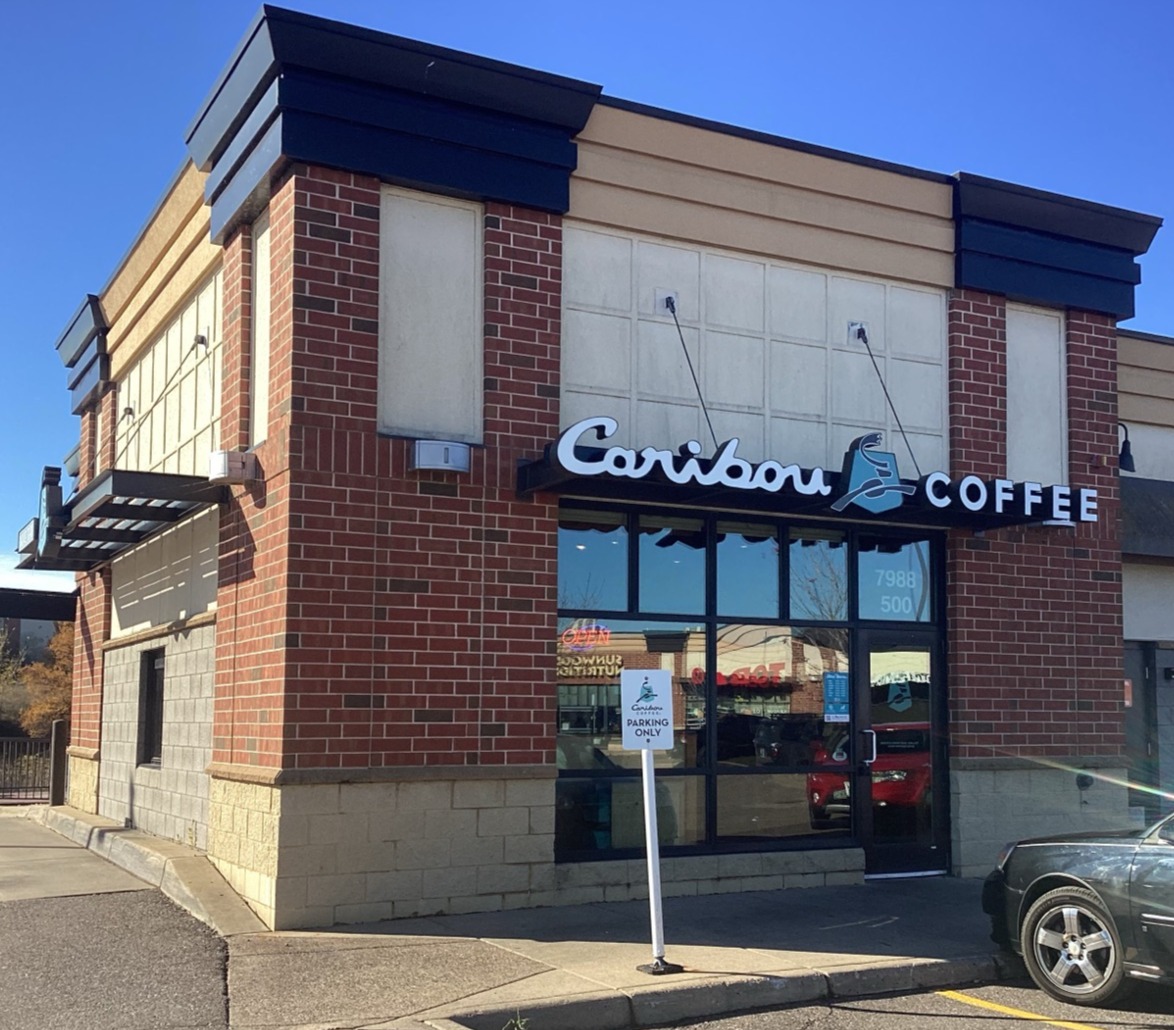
(1034, 614)
(370, 616)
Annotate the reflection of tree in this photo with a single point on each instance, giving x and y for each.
(585, 596)
(819, 582)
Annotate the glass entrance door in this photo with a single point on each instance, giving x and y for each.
(900, 774)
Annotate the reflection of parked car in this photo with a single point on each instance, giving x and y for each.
(900, 774)
(788, 740)
(1088, 911)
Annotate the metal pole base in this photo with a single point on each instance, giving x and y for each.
(659, 967)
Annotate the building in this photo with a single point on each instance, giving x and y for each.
(509, 387)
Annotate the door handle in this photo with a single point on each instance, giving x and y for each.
(872, 738)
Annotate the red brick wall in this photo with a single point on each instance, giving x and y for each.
(91, 631)
(1035, 640)
(386, 617)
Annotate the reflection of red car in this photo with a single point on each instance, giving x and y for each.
(900, 774)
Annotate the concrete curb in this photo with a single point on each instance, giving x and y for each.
(183, 874)
(717, 997)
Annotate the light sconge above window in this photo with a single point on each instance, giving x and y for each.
(1125, 458)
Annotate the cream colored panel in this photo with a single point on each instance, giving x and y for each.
(733, 293)
(1037, 419)
(171, 576)
(1153, 453)
(576, 405)
(170, 395)
(597, 270)
(856, 393)
(931, 452)
(851, 300)
(750, 431)
(734, 370)
(1136, 353)
(597, 351)
(1148, 601)
(662, 370)
(709, 149)
(916, 323)
(800, 442)
(604, 204)
(754, 377)
(668, 268)
(798, 304)
(916, 389)
(1145, 382)
(430, 335)
(798, 379)
(659, 421)
(262, 315)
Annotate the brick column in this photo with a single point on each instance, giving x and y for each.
(1035, 651)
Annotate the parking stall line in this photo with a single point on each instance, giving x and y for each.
(1006, 1010)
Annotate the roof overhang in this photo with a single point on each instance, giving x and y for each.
(50, 605)
(118, 510)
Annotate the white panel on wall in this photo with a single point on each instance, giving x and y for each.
(1153, 452)
(1148, 601)
(597, 270)
(733, 293)
(659, 421)
(597, 350)
(749, 429)
(916, 389)
(430, 317)
(734, 370)
(668, 268)
(931, 451)
(172, 576)
(662, 370)
(798, 304)
(916, 324)
(798, 441)
(1037, 417)
(856, 392)
(854, 300)
(798, 378)
(766, 341)
(259, 356)
(171, 395)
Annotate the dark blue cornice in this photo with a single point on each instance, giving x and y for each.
(1045, 248)
(302, 88)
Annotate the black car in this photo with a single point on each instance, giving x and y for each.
(1091, 913)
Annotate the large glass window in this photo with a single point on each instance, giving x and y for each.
(757, 639)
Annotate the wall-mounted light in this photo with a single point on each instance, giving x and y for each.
(1125, 458)
(128, 412)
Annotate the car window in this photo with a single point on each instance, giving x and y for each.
(1166, 830)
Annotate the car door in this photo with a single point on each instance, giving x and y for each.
(1152, 898)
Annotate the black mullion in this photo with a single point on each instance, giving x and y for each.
(783, 529)
(710, 623)
(633, 562)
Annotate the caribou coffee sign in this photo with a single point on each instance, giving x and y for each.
(869, 479)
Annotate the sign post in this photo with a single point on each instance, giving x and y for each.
(646, 702)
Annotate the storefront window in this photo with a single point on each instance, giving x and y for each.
(894, 578)
(672, 565)
(770, 724)
(748, 570)
(819, 575)
(593, 560)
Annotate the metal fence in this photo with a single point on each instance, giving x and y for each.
(24, 769)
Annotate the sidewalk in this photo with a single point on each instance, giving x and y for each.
(575, 968)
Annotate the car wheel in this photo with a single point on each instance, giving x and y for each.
(1072, 949)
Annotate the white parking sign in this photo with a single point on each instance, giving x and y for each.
(646, 702)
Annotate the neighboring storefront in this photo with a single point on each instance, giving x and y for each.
(510, 387)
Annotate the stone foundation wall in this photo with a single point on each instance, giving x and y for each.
(82, 792)
(242, 841)
(992, 806)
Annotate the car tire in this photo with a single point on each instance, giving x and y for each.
(1072, 949)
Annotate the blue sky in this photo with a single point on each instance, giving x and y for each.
(1066, 95)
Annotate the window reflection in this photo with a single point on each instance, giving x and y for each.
(768, 808)
(592, 560)
(747, 570)
(895, 581)
(602, 814)
(819, 575)
(591, 654)
(672, 565)
(777, 694)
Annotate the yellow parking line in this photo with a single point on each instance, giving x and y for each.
(1008, 1011)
